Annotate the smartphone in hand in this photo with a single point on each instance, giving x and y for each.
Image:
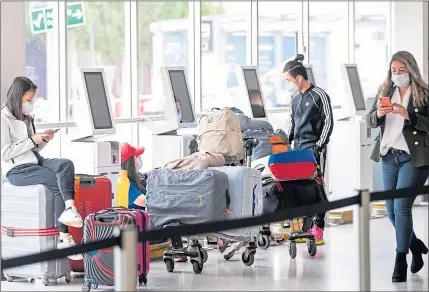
(386, 102)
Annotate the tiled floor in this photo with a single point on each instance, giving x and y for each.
(335, 267)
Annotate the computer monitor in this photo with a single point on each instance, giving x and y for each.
(354, 102)
(254, 92)
(310, 73)
(178, 105)
(98, 101)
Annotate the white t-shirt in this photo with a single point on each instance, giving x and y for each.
(393, 136)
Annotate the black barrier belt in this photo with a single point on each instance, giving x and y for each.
(397, 194)
(184, 230)
(211, 227)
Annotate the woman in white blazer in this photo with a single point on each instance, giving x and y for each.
(22, 164)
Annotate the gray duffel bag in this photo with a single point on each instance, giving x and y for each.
(186, 196)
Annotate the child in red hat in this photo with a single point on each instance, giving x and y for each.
(131, 162)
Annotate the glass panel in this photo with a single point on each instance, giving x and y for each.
(96, 39)
(372, 44)
(279, 26)
(223, 50)
(163, 41)
(41, 63)
(329, 45)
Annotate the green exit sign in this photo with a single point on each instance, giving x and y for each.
(75, 15)
(43, 19)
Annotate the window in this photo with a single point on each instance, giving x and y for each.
(279, 26)
(372, 44)
(329, 45)
(42, 57)
(163, 41)
(96, 39)
(223, 50)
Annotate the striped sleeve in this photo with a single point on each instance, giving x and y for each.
(327, 118)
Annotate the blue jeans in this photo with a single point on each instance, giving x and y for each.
(398, 172)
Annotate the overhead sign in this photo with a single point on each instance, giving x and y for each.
(43, 19)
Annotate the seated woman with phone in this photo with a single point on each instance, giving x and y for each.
(23, 165)
(402, 113)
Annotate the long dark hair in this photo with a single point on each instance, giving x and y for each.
(133, 175)
(19, 87)
(419, 87)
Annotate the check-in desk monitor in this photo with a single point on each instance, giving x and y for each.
(253, 88)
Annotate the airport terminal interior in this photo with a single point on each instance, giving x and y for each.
(168, 109)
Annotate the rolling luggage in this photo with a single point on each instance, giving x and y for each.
(99, 265)
(186, 196)
(93, 194)
(245, 192)
(28, 227)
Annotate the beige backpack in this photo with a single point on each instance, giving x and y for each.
(220, 132)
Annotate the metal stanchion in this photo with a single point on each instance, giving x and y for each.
(364, 249)
(126, 260)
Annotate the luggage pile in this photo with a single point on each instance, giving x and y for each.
(216, 183)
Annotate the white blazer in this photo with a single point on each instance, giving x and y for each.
(16, 146)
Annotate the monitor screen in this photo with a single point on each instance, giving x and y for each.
(310, 75)
(181, 96)
(98, 100)
(356, 88)
(254, 91)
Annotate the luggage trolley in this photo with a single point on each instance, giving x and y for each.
(289, 194)
(194, 250)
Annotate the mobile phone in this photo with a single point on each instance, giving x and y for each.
(385, 101)
(56, 130)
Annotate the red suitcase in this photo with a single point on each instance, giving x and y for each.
(93, 193)
(99, 265)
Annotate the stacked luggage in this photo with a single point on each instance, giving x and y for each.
(293, 180)
(189, 196)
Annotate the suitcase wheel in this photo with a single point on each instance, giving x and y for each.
(249, 259)
(142, 280)
(312, 247)
(263, 241)
(197, 267)
(292, 249)
(169, 264)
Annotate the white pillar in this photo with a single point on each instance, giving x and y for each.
(12, 43)
(410, 31)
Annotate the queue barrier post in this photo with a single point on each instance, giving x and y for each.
(125, 258)
(364, 247)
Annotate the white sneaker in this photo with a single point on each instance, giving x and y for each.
(71, 217)
(69, 242)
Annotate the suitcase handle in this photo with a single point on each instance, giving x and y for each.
(86, 181)
(107, 218)
(112, 209)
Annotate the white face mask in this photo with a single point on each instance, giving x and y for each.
(402, 80)
(27, 107)
(292, 88)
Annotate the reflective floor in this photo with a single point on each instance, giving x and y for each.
(335, 267)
